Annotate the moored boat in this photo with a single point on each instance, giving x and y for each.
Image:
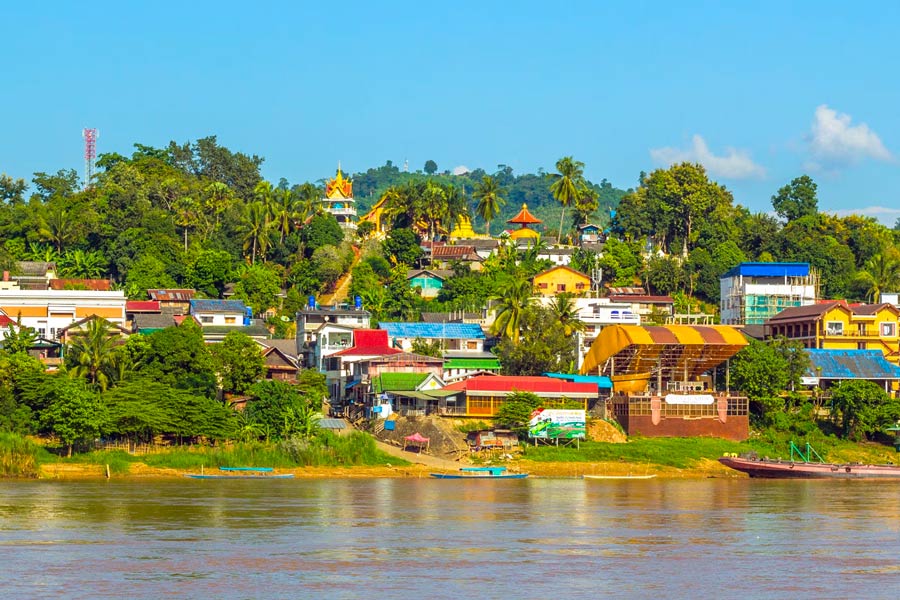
(480, 473)
(241, 473)
(787, 469)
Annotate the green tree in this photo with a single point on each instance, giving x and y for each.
(210, 271)
(864, 408)
(258, 286)
(58, 227)
(322, 230)
(402, 247)
(762, 373)
(176, 356)
(565, 311)
(567, 186)
(239, 362)
(881, 273)
(489, 197)
(797, 199)
(80, 264)
(19, 339)
(328, 264)
(255, 229)
(147, 273)
(92, 353)
(427, 348)
(74, 414)
(544, 346)
(513, 299)
(277, 407)
(431, 167)
(515, 412)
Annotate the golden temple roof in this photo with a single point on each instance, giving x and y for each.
(339, 187)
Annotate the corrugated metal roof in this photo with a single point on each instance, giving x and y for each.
(851, 364)
(472, 363)
(506, 384)
(223, 306)
(369, 342)
(600, 381)
(181, 295)
(440, 331)
(397, 382)
(332, 424)
(757, 269)
(142, 306)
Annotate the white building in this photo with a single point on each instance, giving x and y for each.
(233, 313)
(48, 311)
(752, 293)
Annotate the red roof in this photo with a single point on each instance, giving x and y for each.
(6, 321)
(144, 306)
(504, 383)
(369, 342)
(524, 217)
(96, 285)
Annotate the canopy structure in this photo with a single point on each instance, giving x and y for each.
(417, 439)
(672, 352)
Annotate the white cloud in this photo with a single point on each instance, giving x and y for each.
(460, 170)
(833, 141)
(734, 164)
(886, 215)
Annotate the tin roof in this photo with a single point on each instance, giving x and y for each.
(143, 306)
(507, 384)
(221, 306)
(851, 364)
(758, 269)
(171, 295)
(369, 342)
(439, 331)
(397, 382)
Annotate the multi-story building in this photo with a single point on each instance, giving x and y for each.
(752, 293)
(835, 325)
(48, 311)
(324, 330)
(339, 201)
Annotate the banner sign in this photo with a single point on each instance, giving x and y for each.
(557, 424)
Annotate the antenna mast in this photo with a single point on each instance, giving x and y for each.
(90, 154)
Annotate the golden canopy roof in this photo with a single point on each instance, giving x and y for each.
(339, 187)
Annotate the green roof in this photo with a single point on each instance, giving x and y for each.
(472, 363)
(397, 382)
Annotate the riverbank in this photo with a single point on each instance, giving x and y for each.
(138, 470)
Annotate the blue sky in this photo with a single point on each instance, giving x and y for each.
(759, 92)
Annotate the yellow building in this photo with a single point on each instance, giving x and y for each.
(836, 325)
(560, 280)
(375, 216)
(339, 200)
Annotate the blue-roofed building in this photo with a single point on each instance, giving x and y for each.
(828, 367)
(753, 292)
(221, 312)
(467, 337)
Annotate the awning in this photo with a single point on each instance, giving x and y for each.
(677, 349)
(417, 438)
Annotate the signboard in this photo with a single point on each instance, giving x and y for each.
(557, 424)
(689, 399)
(809, 381)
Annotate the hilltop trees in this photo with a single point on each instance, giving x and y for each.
(568, 185)
(489, 196)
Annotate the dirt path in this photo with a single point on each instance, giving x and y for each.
(417, 458)
(342, 289)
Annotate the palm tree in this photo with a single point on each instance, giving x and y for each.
(514, 298)
(880, 273)
(58, 228)
(217, 197)
(488, 193)
(254, 226)
(566, 186)
(92, 353)
(566, 313)
(283, 212)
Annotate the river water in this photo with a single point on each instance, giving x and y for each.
(421, 538)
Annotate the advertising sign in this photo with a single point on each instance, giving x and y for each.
(557, 424)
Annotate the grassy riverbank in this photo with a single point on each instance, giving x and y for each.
(356, 455)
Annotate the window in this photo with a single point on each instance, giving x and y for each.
(543, 285)
(560, 287)
(230, 320)
(579, 286)
(888, 329)
(834, 328)
(205, 319)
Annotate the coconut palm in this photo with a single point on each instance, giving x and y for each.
(567, 185)
(513, 299)
(57, 227)
(79, 264)
(881, 273)
(255, 228)
(92, 353)
(566, 313)
(284, 212)
(489, 195)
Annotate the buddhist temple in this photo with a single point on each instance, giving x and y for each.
(376, 217)
(463, 229)
(339, 200)
(524, 219)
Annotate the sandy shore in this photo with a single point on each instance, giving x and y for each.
(705, 469)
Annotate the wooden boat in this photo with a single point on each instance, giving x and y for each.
(789, 469)
(619, 476)
(480, 473)
(241, 473)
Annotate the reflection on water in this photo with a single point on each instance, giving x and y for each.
(353, 538)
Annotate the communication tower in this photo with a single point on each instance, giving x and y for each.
(90, 154)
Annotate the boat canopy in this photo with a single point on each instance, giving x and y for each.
(679, 349)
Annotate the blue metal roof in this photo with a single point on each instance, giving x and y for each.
(850, 364)
(218, 306)
(602, 382)
(757, 269)
(445, 331)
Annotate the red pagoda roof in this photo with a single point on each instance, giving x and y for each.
(524, 217)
